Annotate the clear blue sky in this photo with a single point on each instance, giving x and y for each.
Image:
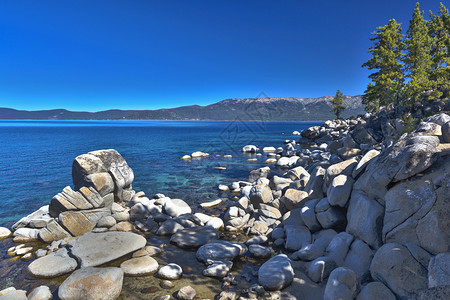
(142, 54)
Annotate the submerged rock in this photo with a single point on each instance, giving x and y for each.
(139, 266)
(92, 283)
(194, 237)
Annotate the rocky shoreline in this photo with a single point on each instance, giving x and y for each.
(361, 212)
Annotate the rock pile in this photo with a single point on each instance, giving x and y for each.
(359, 203)
(101, 180)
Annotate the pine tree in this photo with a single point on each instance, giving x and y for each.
(338, 104)
(418, 56)
(439, 30)
(387, 60)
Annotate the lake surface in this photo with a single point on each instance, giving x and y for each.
(36, 156)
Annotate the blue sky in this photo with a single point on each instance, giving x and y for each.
(141, 54)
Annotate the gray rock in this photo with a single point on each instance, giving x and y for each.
(338, 247)
(423, 139)
(324, 237)
(365, 219)
(260, 193)
(315, 183)
(396, 163)
(94, 249)
(439, 119)
(309, 215)
(101, 182)
(92, 283)
(296, 237)
(171, 272)
(309, 252)
(276, 273)
(258, 240)
(258, 173)
(433, 230)
(287, 162)
(37, 219)
(320, 268)
(394, 265)
(139, 266)
(329, 216)
(362, 164)
(40, 293)
(339, 190)
(75, 222)
(53, 265)
(439, 270)
(176, 207)
(147, 250)
(258, 251)
(342, 284)
(68, 199)
(215, 223)
(375, 291)
(218, 268)
(359, 258)
(186, 293)
(362, 136)
(278, 233)
(194, 237)
(250, 149)
(419, 254)
(429, 128)
(446, 132)
(293, 218)
(343, 168)
(116, 165)
(294, 198)
(107, 221)
(298, 173)
(269, 211)
(53, 232)
(220, 250)
(14, 294)
(410, 206)
(169, 227)
(25, 234)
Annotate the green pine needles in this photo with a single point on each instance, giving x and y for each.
(412, 67)
(338, 104)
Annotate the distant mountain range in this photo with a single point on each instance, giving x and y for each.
(255, 109)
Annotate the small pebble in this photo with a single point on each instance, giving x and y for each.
(166, 284)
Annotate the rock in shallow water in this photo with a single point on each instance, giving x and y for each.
(4, 232)
(258, 251)
(40, 293)
(220, 250)
(93, 284)
(171, 272)
(94, 249)
(53, 264)
(139, 266)
(186, 293)
(218, 269)
(194, 237)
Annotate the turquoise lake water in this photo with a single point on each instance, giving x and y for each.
(36, 156)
